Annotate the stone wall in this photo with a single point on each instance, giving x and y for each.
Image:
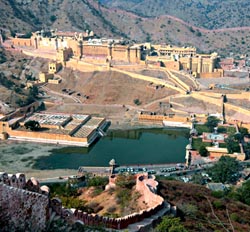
(146, 186)
(24, 205)
(22, 42)
(215, 74)
(149, 79)
(160, 118)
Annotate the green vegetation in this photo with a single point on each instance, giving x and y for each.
(170, 224)
(212, 122)
(52, 18)
(98, 181)
(125, 185)
(2, 57)
(228, 130)
(232, 144)
(243, 193)
(201, 128)
(27, 35)
(6, 82)
(137, 102)
(188, 209)
(32, 125)
(203, 151)
(226, 170)
(203, 210)
(67, 194)
(197, 144)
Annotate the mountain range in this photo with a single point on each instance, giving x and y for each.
(214, 25)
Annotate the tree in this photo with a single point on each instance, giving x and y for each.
(137, 101)
(232, 144)
(243, 193)
(226, 170)
(243, 131)
(32, 125)
(203, 151)
(170, 224)
(53, 18)
(33, 91)
(212, 122)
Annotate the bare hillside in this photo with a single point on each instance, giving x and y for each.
(207, 26)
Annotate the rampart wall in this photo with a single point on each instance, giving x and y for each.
(24, 205)
(149, 79)
(160, 118)
(22, 42)
(51, 56)
(175, 79)
(215, 74)
(143, 185)
(238, 156)
(84, 66)
(238, 95)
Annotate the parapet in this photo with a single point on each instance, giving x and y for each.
(19, 181)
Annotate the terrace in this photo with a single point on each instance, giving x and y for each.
(93, 122)
(49, 119)
(83, 132)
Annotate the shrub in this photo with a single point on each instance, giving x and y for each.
(52, 18)
(218, 204)
(111, 209)
(203, 151)
(98, 181)
(188, 209)
(137, 101)
(235, 217)
(125, 181)
(218, 194)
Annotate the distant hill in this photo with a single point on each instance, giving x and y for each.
(176, 22)
(212, 14)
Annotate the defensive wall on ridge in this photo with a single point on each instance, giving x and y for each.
(24, 204)
(217, 101)
(146, 186)
(149, 79)
(27, 207)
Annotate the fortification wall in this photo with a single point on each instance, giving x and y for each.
(200, 96)
(149, 79)
(95, 50)
(239, 156)
(84, 66)
(23, 206)
(178, 81)
(238, 109)
(172, 65)
(47, 136)
(238, 95)
(174, 118)
(211, 74)
(51, 56)
(22, 42)
(156, 203)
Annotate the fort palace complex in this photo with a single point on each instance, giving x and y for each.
(83, 46)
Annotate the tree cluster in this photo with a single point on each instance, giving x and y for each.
(226, 170)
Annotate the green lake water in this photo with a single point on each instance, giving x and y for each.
(140, 146)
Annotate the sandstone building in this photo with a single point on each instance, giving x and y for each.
(84, 47)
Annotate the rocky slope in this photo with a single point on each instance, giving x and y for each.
(157, 21)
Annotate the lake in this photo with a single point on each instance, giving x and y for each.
(139, 146)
